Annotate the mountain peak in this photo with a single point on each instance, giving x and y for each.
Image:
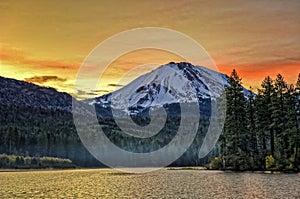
(170, 83)
(178, 65)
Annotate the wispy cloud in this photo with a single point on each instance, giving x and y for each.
(44, 79)
(101, 91)
(16, 56)
(80, 92)
(84, 94)
(115, 85)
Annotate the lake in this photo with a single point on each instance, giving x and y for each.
(165, 183)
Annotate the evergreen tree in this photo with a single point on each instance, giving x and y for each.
(12, 137)
(279, 112)
(297, 140)
(264, 120)
(235, 127)
(291, 132)
(252, 127)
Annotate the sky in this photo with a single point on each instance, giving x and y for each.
(45, 42)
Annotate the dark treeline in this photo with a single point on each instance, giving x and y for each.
(261, 132)
(37, 132)
(164, 136)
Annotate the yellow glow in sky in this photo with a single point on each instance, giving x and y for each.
(46, 41)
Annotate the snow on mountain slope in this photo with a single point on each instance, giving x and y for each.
(170, 83)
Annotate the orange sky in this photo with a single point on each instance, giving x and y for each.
(45, 42)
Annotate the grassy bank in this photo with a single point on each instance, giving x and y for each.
(26, 162)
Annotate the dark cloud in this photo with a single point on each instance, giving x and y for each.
(115, 85)
(100, 91)
(91, 93)
(44, 79)
(80, 92)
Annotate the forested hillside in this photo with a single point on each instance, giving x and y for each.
(39, 132)
(261, 132)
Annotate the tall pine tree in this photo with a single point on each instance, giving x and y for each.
(250, 110)
(279, 119)
(235, 134)
(297, 140)
(264, 120)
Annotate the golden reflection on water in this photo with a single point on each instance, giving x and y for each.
(165, 183)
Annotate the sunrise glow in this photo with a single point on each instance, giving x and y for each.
(45, 43)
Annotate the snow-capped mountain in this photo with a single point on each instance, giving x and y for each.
(170, 83)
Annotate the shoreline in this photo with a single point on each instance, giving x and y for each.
(2, 170)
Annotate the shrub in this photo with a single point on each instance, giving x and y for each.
(215, 163)
(270, 162)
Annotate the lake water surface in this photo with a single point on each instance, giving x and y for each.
(165, 183)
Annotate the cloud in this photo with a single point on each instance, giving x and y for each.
(115, 85)
(101, 91)
(90, 93)
(15, 56)
(44, 79)
(80, 92)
